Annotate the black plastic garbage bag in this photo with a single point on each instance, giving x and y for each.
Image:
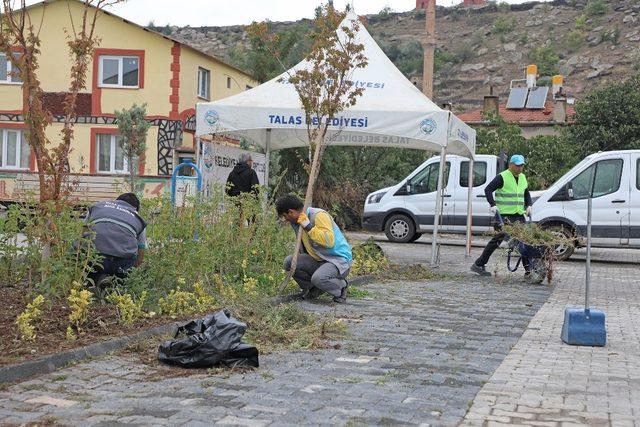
(213, 340)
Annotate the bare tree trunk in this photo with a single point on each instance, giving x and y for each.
(308, 199)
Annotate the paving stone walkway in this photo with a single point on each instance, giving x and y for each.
(415, 353)
(545, 382)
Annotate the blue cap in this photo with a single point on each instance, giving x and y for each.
(517, 159)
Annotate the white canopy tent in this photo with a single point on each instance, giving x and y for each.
(392, 112)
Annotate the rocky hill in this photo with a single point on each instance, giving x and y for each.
(590, 42)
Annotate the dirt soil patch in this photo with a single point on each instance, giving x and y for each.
(51, 330)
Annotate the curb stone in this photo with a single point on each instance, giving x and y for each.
(53, 362)
(50, 363)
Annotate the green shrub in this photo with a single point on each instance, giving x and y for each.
(596, 7)
(575, 40)
(581, 22)
(503, 7)
(44, 248)
(612, 35)
(503, 25)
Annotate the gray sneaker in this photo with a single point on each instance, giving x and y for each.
(343, 294)
(480, 270)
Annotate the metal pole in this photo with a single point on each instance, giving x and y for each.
(470, 207)
(588, 272)
(436, 219)
(267, 154)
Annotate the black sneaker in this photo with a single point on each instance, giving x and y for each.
(313, 293)
(343, 294)
(480, 270)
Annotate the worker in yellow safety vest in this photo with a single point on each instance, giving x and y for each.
(513, 201)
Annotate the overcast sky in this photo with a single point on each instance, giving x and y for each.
(197, 13)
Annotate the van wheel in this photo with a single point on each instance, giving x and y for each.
(399, 228)
(562, 252)
(415, 237)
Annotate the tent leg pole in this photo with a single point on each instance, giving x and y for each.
(439, 200)
(470, 207)
(267, 154)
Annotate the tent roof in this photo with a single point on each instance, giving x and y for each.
(392, 112)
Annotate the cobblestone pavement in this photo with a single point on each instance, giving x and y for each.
(415, 353)
(545, 382)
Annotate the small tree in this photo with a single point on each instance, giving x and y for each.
(323, 85)
(20, 42)
(133, 128)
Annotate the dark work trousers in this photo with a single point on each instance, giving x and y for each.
(111, 266)
(494, 243)
(319, 274)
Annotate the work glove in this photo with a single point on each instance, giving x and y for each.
(493, 210)
(303, 220)
(527, 212)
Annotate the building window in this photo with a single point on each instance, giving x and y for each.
(110, 156)
(119, 71)
(204, 83)
(8, 71)
(228, 82)
(14, 150)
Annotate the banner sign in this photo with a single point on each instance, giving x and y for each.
(217, 161)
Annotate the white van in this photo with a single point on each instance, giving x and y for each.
(407, 209)
(615, 206)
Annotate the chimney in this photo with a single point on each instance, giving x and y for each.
(556, 85)
(560, 107)
(491, 103)
(429, 45)
(532, 74)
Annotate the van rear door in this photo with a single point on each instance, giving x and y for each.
(634, 201)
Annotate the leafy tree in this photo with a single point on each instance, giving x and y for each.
(323, 86)
(546, 58)
(548, 157)
(607, 119)
(133, 128)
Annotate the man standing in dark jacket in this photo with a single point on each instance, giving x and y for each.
(243, 179)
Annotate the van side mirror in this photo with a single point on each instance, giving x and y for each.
(569, 191)
(408, 188)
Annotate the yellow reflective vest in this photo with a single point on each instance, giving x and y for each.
(510, 198)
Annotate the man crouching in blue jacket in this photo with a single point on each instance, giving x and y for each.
(326, 256)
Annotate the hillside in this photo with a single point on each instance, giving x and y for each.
(591, 42)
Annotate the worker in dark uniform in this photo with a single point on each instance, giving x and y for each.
(512, 201)
(119, 236)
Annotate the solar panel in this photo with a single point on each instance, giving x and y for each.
(517, 97)
(537, 97)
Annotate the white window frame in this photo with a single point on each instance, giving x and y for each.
(8, 79)
(204, 72)
(3, 139)
(120, 59)
(113, 140)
